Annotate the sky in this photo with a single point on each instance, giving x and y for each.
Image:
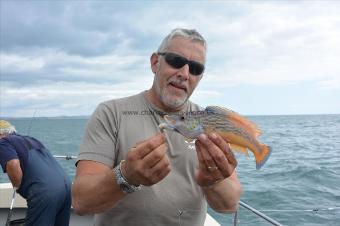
(62, 58)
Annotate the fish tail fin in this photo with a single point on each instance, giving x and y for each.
(262, 157)
(239, 149)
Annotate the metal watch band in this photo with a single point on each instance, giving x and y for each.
(122, 182)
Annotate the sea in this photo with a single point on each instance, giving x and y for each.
(299, 184)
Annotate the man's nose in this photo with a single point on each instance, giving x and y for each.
(184, 72)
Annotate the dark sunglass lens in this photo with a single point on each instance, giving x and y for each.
(196, 68)
(175, 60)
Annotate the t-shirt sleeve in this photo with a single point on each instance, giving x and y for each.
(7, 153)
(99, 142)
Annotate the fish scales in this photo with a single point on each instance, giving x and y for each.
(221, 123)
(238, 131)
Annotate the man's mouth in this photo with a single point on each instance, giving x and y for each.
(178, 86)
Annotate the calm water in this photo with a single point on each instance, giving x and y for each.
(302, 174)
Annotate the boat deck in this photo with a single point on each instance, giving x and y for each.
(19, 209)
(19, 213)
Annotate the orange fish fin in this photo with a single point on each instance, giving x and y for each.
(240, 149)
(262, 157)
(237, 118)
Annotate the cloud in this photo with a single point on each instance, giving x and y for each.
(332, 83)
(51, 65)
(74, 27)
(67, 98)
(272, 45)
(65, 57)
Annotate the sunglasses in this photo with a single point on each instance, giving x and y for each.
(177, 61)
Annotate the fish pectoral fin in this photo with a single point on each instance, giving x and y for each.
(239, 149)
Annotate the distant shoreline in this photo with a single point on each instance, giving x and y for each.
(48, 117)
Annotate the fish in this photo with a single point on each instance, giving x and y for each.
(241, 133)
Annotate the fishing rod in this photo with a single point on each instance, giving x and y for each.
(29, 126)
(66, 157)
(315, 210)
(14, 192)
(10, 209)
(274, 222)
(258, 213)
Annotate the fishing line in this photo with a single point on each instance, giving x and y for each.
(10, 209)
(14, 191)
(29, 126)
(303, 210)
(270, 220)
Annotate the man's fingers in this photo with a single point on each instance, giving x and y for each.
(157, 173)
(145, 147)
(218, 157)
(153, 157)
(199, 153)
(224, 146)
(204, 156)
(162, 168)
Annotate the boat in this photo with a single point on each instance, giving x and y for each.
(19, 210)
(16, 206)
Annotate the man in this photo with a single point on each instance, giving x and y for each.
(37, 176)
(130, 173)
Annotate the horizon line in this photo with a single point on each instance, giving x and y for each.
(87, 116)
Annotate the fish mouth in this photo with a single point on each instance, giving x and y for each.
(169, 120)
(168, 124)
(164, 126)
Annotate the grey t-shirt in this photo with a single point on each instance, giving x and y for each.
(113, 129)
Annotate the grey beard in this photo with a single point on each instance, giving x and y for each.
(168, 102)
(171, 103)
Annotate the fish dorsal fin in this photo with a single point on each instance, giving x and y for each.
(234, 116)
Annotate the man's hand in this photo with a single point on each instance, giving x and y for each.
(216, 160)
(217, 174)
(147, 163)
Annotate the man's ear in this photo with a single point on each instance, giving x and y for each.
(154, 62)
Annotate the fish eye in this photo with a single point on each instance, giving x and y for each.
(182, 118)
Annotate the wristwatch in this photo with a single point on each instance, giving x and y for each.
(122, 182)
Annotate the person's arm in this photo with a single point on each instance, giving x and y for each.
(95, 188)
(217, 175)
(224, 196)
(14, 172)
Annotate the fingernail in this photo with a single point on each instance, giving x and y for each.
(213, 135)
(203, 137)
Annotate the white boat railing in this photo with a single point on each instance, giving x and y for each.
(257, 212)
(246, 206)
(6, 191)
